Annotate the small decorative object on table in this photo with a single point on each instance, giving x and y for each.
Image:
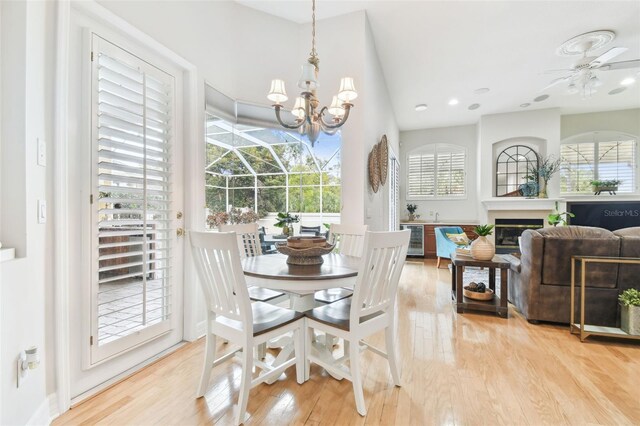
(412, 210)
(481, 247)
(478, 291)
(630, 311)
(285, 220)
(305, 250)
(610, 186)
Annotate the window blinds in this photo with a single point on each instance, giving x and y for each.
(133, 162)
(438, 171)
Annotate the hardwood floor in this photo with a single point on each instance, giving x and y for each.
(457, 369)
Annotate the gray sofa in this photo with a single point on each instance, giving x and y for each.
(539, 283)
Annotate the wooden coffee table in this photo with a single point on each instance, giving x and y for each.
(499, 303)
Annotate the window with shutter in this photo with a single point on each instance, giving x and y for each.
(610, 158)
(132, 225)
(436, 171)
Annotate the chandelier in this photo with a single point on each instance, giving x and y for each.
(309, 117)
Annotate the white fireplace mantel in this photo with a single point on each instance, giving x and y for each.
(520, 203)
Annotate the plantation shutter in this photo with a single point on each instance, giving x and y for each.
(451, 172)
(437, 171)
(584, 162)
(421, 175)
(616, 161)
(133, 225)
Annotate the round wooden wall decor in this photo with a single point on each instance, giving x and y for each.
(374, 172)
(383, 159)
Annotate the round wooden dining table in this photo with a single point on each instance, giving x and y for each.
(300, 281)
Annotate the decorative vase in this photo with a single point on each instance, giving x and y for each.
(482, 249)
(286, 230)
(412, 217)
(542, 191)
(630, 319)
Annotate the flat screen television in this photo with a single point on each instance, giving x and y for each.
(608, 215)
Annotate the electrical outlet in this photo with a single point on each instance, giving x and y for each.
(430, 213)
(42, 152)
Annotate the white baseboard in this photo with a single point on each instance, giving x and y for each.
(54, 408)
(201, 329)
(46, 412)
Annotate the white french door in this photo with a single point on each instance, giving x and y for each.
(136, 257)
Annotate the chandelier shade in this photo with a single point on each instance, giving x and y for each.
(309, 116)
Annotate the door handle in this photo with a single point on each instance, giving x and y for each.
(180, 232)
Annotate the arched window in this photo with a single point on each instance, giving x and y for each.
(436, 171)
(598, 156)
(512, 169)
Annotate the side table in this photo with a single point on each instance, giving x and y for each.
(497, 304)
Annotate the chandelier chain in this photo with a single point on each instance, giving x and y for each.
(313, 59)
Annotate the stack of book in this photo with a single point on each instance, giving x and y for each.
(463, 251)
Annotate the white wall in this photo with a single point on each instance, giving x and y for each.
(27, 74)
(379, 120)
(541, 124)
(626, 121)
(463, 210)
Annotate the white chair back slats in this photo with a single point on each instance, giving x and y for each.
(248, 238)
(379, 273)
(220, 274)
(349, 239)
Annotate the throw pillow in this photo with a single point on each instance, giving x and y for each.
(459, 239)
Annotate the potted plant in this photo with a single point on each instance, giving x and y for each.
(630, 311)
(557, 218)
(481, 247)
(412, 209)
(285, 220)
(611, 186)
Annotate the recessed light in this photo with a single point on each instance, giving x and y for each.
(421, 107)
(524, 105)
(628, 81)
(453, 101)
(617, 90)
(541, 98)
(481, 91)
(474, 106)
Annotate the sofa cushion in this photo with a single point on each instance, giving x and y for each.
(560, 243)
(629, 247)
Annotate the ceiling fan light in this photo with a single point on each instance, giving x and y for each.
(595, 81)
(572, 89)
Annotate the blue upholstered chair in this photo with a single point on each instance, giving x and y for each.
(444, 246)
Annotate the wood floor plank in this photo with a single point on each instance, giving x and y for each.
(466, 369)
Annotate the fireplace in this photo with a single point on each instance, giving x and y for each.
(507, 232)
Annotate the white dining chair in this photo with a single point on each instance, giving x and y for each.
(371, 309)
(349, 240)
(232, 316)
(248, 246)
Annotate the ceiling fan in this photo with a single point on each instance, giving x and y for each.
(583, 74)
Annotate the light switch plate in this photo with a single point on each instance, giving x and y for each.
(42, 152)
(42, 211)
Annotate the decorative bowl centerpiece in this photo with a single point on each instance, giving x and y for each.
(305, 250)
(478, 291)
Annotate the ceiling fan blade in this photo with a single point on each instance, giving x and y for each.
(607, 56)
(557, 81)
(621, 65)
